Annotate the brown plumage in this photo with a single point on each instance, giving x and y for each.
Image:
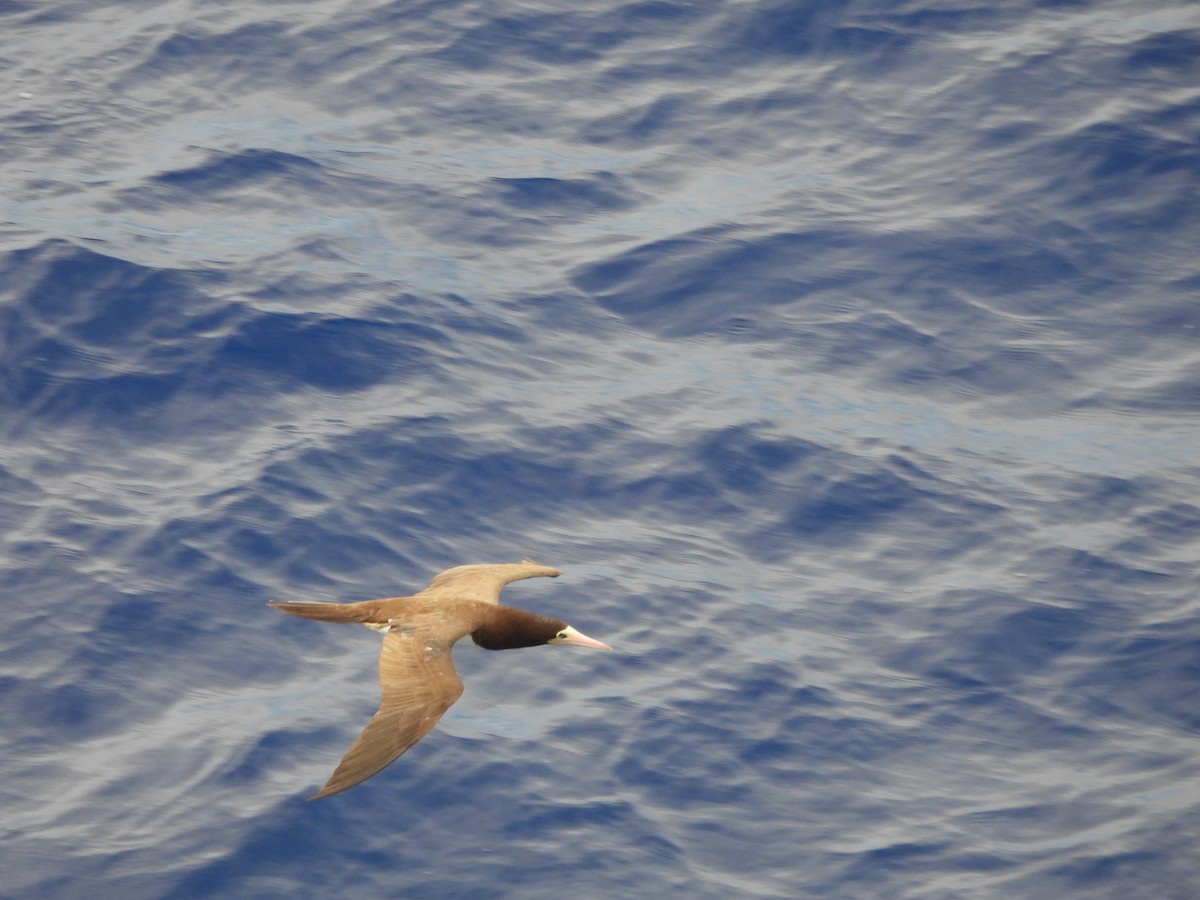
(416, 672)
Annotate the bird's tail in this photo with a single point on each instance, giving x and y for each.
(328, 612)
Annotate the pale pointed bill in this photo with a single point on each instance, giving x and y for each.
(579, 639)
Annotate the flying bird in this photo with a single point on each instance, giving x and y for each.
(416, 672)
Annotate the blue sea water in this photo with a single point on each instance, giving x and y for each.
(844, 355)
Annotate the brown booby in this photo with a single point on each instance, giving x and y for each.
(416, 672)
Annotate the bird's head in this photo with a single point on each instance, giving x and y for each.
(507, 629)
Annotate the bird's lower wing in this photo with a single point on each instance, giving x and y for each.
(389, 733)
(419, 684)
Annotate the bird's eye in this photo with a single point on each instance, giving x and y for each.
(562, 635)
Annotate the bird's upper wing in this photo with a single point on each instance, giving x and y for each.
(482, 583)
(419, 684)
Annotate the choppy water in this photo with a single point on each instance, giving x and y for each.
(844, 355)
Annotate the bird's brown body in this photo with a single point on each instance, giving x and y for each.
(416, 672)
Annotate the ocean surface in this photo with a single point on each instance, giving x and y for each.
(845, 356)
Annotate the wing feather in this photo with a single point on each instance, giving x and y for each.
(482, 583)
(418, 682)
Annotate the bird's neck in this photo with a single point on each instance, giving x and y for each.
(505, 628)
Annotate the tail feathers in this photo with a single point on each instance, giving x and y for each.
(328, 612)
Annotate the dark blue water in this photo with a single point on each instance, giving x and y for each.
(845, 356)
